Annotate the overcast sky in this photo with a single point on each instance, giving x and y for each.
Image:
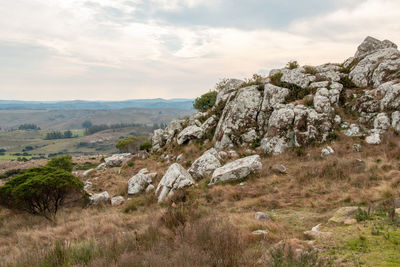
(126, 49)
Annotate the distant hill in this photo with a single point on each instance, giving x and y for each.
(158, 103)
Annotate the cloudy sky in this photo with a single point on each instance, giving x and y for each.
(125, 49)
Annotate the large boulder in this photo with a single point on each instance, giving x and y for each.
(237, 169)
(227, 90)
(117, 160)
(205, 165)
(376, 63)
(189, 133)
(239, 115)
(139, 182)
(175, 178)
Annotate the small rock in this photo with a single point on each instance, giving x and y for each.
(101, 198)
(179, 157)
(327, 152)
(343, 214)
(242, 183)
(278, 168)
(356, 148)
(118, 200)
(373, 139)
(233, 154)
(101, 166)
(261, 216)
(223, 154)
(89, 172)
(350, 221)
(149, 188)
(315, 233)
(140, 181)
(87, 185)
(117, 160)
(260, 232)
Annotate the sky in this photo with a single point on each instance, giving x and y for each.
(134, 49)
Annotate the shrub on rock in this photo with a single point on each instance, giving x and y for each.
(206, 101)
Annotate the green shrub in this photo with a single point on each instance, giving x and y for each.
(146, 145)
(292, 65)
(255, 80)
(131, 144)
(347, 82)
(310, 70)
(333, 136)
(275, 79)
(362, 215)
(40, 190)
(63, 162)
(206, 101)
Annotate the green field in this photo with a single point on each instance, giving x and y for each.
(33, 142)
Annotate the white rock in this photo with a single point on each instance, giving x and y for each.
(179, 157)
(353, 130)
(223, 154)
(117, 160)
(356, 148)
(118, 200)
(175, 178)
(101, 166)
(87, 185)
(337, 120)
(316, 85)
(140, 181)
(150, 188)
(391, 96)
(381, 122)
(89, 172)
(261, 216)
(327, 152)
(229, 88)
(101, 198)
(189, 133)
(205, 165)
(295, 76)
(273, 145)
(373, 139)
(260, 232)
(396, 121)
(237, 169)
(249, 136)
(158, 139)
(279, 168)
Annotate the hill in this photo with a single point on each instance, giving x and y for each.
(297, 168)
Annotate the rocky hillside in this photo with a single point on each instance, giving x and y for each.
(298, 106)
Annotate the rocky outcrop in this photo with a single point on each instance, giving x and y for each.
(237, 169)
(206, 164)
(175, 178)
(296, 106)
(139, 182)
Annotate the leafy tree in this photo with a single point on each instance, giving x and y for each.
(131, 144)
(146, 146)
(68, 134)
(206, 101)
(87, 124)
(28, 126)
(40, 190)
(62, 162)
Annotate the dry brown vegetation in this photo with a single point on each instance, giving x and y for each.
(205, 226)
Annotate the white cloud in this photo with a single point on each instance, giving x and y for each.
(103, 50)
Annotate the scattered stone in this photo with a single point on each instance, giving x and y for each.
(100, 198)
(140, 181)
(233, 154)
(353, 130)
(118, 200)
(179, 158)
(117, 160)
(205, 165)
(101, 166)
(242, 183)
(343, 214)
(237, 169)
(278, 168)
(150, 188)
(316, 234)
(327, 152)
(176, 177)
(261, 216)
(89, 172)
(260, 232)
(350, 221)
(223, 154)
(356, 148)
(87, 185)
(373, 139)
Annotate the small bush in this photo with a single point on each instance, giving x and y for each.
(310, 70)
(132, 144)
(63, 162)
(299, 151)
(146, 145)
(40, 190)
(347, 82)
(275, 79)
(206, 101)
(255, 80)
(362, 215)
(333, 136)
(292, 65)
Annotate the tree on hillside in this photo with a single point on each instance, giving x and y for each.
(40, 190)
(206, 101)
(62, 162)
(87, 124)
(132, 144)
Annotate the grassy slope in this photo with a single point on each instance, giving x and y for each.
(308, 195)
